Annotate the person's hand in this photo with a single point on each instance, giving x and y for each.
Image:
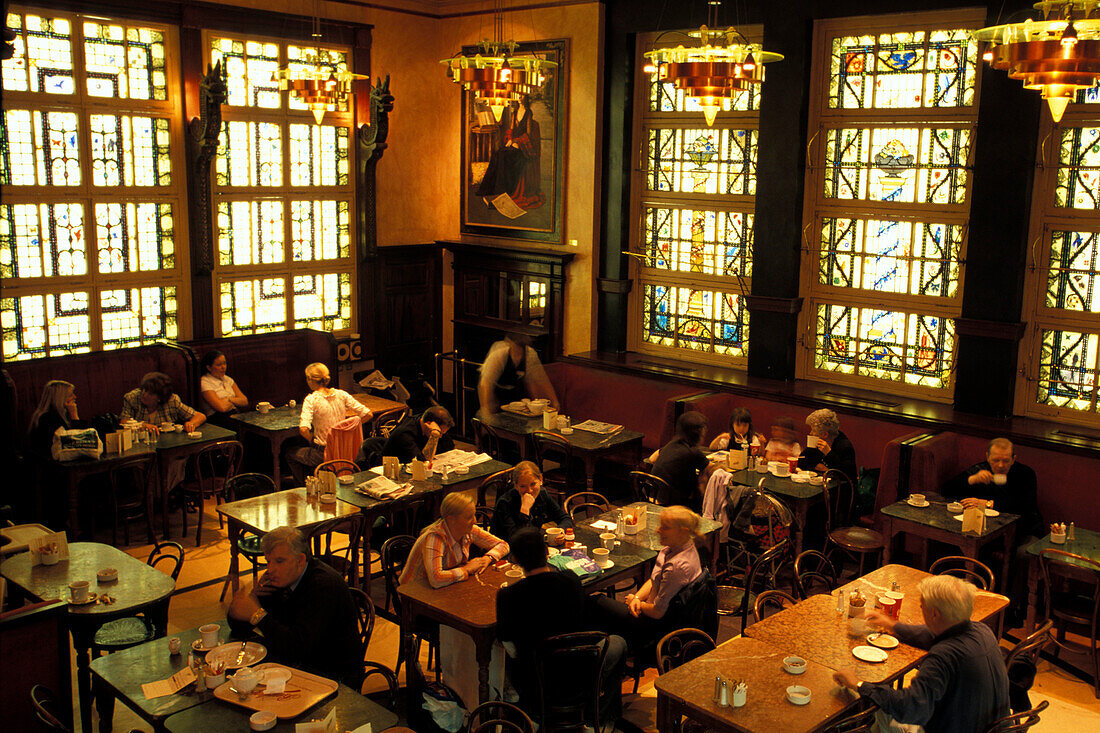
(526, 501)
(846, 678)
(823, 446)
(434, 429)
(478, 564)
(151, 428)
(972, 502)
(881, 620)
(190, 425)
(635, 606)
(981, 477)
(70, 409)
(262, 587)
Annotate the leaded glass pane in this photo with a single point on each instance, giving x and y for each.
(44, 240)
(250, 68)
(253, 306)
(250, 232)
(306, 61)
(136, 316)
(322, 301)
(897, 164)
(318, 155)
(1074, 274)
(128, 150)
(135, 237)
(930, 69)
(40, 148)
(319, 230)
(43, 60)
(1068, 369)
(902, 257)
(699, 320)
(904, 347)
(1078, 169)
(665, 97)
(694, 240)
(707, 161)
(45, 325)
(125, 63)
(250, 154)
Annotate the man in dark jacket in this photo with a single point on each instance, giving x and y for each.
(421, 436)
(1000, 483)
(961, 685)
(304, 611)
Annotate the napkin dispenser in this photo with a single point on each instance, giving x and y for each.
(737, 459)
(419, 470)
(391, 467)
(974, 520)
(328, 482)
(120, 441)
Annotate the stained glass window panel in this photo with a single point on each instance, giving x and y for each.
(902, 257)
(693, 240)
(322, 301)
(44, 240)
(707, 161)
(318, 155)
(54, 324)
(302, 61)
(1068, 369)
(18, 158)
(40, 148)
(253, 306)
(897, 164)
(904, 347)
(250, 154)
(1078, 169)
(250, 232)
(43, 59)
(250, 67)
(1074, 273)
(930, 69)
(135, 237)
(136, 316)
(124, 63)
(128, 150)
(319, 230)
(695, 319)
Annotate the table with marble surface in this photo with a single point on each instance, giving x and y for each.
(139, 588)
(1085, 543)
(175, 448)
(689, 690)
(648, 536)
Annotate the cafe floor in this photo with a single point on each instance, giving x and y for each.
(1072, 703)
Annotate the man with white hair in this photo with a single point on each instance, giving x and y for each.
(303, 609)
(961, 686)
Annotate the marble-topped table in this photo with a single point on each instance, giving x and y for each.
(1085, 543)
(798, 496)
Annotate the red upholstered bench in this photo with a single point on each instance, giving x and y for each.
(637, 403)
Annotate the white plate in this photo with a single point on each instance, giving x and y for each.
(869, 654)
(919, 506)
(228, 653)
(988, 513)
(883, 641)
(606, 565)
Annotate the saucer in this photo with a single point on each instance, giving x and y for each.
(606, 564)
(92, 598)
(328, 498)
(921, 505)
(883, 641)
(869, 654)
(197, 646)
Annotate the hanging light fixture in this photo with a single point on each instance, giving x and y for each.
(497, 76)
(318, 83)
(716, 68)
(1057, 52)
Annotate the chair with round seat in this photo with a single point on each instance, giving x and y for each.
(495, 484)
(212, 467)
(136, 503)
(497, 715)
(1071, 594)
(567, 669)
(1019, 721)
(771, 601)
(365, 621)
(648, 487)
(839, 495)
(966, 568)
(338, 466)
(1021, 663)
(739, 600)
(393, 555)
(486, 438)
(586, 504)
(124, 633)
(563, 480)
(247, 486)
(814, 574)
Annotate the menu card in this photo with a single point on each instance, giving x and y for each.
(328, 725)
(48, 543)
(170, 686)
(974, 520)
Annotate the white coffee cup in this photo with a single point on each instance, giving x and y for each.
(555, 535)
(811, 441)
(600, 555)
(916, 498)
(263, 407)
(78, 591)
(607, 540)
(1000, 479)
(209, 635)
(782, 469)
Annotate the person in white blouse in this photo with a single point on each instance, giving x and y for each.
(219, 390)
(324, 407)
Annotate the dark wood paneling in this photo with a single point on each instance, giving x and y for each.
(404, 311)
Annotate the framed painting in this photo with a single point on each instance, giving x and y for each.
(513, 167)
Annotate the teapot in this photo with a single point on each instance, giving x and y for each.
(245, 680)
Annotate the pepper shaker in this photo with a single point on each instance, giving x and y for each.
(718, 681)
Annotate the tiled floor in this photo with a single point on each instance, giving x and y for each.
(1073, 707)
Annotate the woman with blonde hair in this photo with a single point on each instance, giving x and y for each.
(441, 555)
(641, 618)
(56, 409)
(525, 504)
(323, 408)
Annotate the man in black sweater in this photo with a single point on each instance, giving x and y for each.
(525, 504)
(304, 611)
(421, 436)
(1000, 483)
(961, 685)
(548, 603)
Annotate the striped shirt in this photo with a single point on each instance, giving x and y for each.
(321, 411)
(439, 557)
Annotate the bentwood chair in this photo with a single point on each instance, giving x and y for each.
(497, 715)
(814, 574)
(649, 487)
(1022, 663)
(246, 486)
(393, 555)
(384, 422)
(1019, 721)
(130, 497)
(365, 621)
(486, 439)
(966, 568)
(338, 466)
(771, 601)
(681, 646)
(563, 479)
(585, 505)
(839, 495)
(212, 467)
(861, 721)
(1071, 587)
(739, 600)
(496, 484)
(567, 668)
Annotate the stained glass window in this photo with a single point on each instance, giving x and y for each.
(936, 68)
(887, 345)
(1068, 369)
(1078, 169)
(888, 181)
(91, 208)
(694, 233)
(283, 189)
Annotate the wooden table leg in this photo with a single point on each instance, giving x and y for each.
(1009, 542)
(484, 645)
(1032, 594)
(82, 641)
(590, 470)
(666, 721)
(276, 461)
(234, 531)
(888, 533)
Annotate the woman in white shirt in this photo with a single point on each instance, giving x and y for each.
(219, 390)
(324, 407)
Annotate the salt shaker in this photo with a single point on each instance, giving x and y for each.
(619, 522)
(1070, 533)
(718, 682)
(724, 695)
(840, 601)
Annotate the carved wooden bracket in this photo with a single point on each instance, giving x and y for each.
(202, 146)
(371, 138)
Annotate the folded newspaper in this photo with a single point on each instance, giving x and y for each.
(383, 488)
(454, 458)
(601, 428)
